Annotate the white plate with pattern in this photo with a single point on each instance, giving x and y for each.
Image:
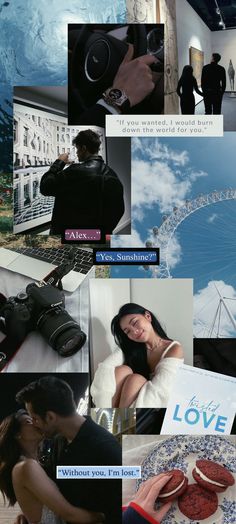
(181, 452)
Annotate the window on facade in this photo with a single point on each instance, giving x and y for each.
(15, 130)
(25, 136)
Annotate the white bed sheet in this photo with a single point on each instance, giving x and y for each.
(35, 354)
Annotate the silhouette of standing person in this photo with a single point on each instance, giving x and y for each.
(231, 73)
(186, 85)
(213, 85)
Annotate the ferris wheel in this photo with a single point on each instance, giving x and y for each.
(162, 235)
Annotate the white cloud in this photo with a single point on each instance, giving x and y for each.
(154, 149)
(174, 253)
(133, 240)
(160, 175)
(206, 302)
(212, 218)
(194, 175)
(156, 183)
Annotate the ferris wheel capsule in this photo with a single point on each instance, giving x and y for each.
(148, 243)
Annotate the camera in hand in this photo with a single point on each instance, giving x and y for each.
(42, 307)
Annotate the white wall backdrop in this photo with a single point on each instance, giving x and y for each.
(171, 300)
(191, 32)
(224, 42)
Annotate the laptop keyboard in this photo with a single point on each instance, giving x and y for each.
(57, 256)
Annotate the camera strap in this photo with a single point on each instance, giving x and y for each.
(55, 276)
(8, 346)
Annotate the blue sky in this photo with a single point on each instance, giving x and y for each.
(166, 172)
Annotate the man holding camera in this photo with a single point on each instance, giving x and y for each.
(88, 194)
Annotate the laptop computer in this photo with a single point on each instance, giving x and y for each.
(37, 263)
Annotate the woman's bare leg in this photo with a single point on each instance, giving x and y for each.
(121, 374)
(130, 390)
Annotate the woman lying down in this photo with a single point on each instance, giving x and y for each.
(141, 373)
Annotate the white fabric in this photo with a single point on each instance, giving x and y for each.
(154, 394)
(109, 108)
(48, 517)
(104, 384)
(35, 354)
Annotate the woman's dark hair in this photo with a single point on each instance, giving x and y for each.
(187, 79)
(187, 71)
(48, 394)
(135, 352)
(10, 452)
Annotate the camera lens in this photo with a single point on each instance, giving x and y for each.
(62, 333)
(70, 341)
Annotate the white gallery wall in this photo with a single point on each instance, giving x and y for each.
(193, 32)
(224, 42)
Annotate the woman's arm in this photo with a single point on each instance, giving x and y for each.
(30, 479)
(142, 507)
(156, 391)
(195, 86)
(178, 90)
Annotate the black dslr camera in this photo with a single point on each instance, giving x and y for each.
(42, 308)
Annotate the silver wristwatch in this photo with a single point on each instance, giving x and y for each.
(117, 98)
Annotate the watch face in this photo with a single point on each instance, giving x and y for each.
(115, 94)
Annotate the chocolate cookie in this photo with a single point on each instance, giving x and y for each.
(212, 476)
(197, 503)
(174, 487)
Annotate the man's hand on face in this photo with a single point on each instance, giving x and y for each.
(65, 158)
(134, 77)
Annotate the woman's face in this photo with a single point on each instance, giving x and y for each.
(28, 432)
(137, 327)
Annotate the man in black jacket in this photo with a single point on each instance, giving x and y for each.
(213, 85)
(89, 194)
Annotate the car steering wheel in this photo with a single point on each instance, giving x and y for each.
(94, 58)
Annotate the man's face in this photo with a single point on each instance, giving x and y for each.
(81, 152)
(47, 426)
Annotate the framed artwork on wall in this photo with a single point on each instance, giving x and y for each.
(196, 59)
